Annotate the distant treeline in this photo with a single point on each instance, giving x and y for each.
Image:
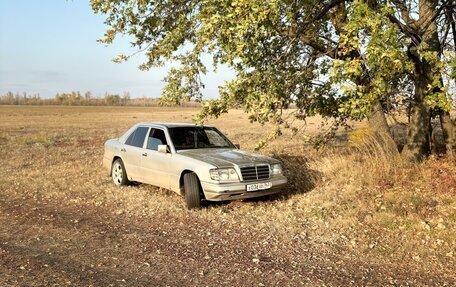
(78, 99)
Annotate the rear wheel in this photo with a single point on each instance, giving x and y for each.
(192, 191)
(118, 173)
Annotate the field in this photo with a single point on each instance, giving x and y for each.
(352, 216)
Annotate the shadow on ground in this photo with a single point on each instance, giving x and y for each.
(301, 178)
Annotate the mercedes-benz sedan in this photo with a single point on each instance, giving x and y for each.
(198, 162)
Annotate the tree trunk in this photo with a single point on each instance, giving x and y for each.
(377, 121)
(449, 132)
(377, 118)
(418, 139)
(449, 126)
(418, 144)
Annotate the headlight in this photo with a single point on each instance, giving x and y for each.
(224, 174)
(276, 169)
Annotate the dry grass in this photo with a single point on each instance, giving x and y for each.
(356, 199)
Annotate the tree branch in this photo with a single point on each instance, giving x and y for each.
(405, 13)
(316, 45)
(319, 15)
(406, 29)
(326, 9)
(434, 16)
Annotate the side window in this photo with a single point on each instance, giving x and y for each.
(129, 141)
(137, 137)
(156, 137)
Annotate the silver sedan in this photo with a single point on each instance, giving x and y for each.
(198, 162)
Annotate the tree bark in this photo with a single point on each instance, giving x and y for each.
(377, 121)
(449, 132)
(448, 125)
(418, 144)
(418, 139)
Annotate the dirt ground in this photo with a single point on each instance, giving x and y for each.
(62, 222)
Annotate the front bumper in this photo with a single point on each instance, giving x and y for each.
(237, 190)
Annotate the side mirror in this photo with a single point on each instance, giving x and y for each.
(162, 148)
(238, 146)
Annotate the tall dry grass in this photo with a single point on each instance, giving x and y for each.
(383, 204)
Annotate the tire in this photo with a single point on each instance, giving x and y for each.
(192, 191)
(118, 173)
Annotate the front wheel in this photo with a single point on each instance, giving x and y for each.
(118, 173)
(192, 191)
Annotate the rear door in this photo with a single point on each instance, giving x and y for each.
(133, 151)
(155, 165)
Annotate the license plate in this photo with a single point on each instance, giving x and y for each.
(258, 186)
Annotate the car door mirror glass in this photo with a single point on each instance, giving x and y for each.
(162, 148)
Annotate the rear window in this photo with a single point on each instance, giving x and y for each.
(137, 137)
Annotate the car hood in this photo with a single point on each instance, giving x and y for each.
(227, 157)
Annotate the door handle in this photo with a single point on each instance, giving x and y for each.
(122, 149)
(144, 154)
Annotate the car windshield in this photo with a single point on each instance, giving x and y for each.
(198, 137)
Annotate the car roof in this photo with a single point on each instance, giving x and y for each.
(169, 124)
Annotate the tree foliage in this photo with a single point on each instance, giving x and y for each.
(340, 59)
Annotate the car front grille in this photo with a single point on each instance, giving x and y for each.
(255, 172)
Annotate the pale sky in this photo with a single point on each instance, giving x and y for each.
(49, 46)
